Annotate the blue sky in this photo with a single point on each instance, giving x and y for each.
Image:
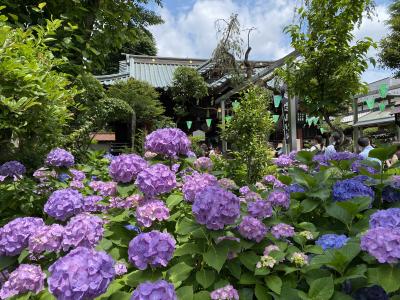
(189, 29)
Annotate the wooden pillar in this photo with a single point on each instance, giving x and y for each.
(292, 123)
(224, 144)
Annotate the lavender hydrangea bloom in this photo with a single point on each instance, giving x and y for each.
(77, 185)
(120, 269)
(270, 179)
(252, 229)
(150, 211)
(244, 190)
(227, 183)
(60, 158)
(345, 155)
(284, 161)
(77, 175)
(252, 196)
(269, 249)
(347, 189)
(203, 163)
(260, 209)
(83, 230)
(395, 181)
(12, 168)
(390, 194)
(26, 278)
(359, 165)
(279, 198)
(282, 230)
(388, 218)
(293, 154)
(215, 207)
(227, 292)
(295, 188)
(195, 183)
(46, 238)
(64, 203)
(63, 177)
(155, 180)
(81, 274)
(158, 290)
(321, 160)
(124, 168)
(105, 189)
(382, 243)
(91, 204)
(124, 203)
(14, 236)
(170, 142)
(152, 248)
(332, 241)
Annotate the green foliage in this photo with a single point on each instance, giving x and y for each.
(249, 130)
(390, 47)
(34, 96)
(328, 74)
(188, 84)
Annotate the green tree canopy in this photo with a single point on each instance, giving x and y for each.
(327, 75)
(390, 45)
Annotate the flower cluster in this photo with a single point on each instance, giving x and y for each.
(388, 218)
(359, 165)
(170, 142)
(152, 248)
(203, 164)
(81, 274)
(332, 241)
(26, 278)
(270, 248)
(227, 292)
(83, 230)
(216, 207)
(321, 160)
(60, 158)
(252, 229)
(46, 238)
(14, 236)
(129, 202)
(390, 194)
(91, 204)
(284, 161)
(295, 188)
(160, 289)
(150, 211)
(77, 175)
(124, 168)
(382, 243)
(308, 235)
(345, 155)
(244, 190)
(120, 269)
(260, 209)
(299, 259)
(64, 203)
(347, 189)
(104, 188)
(279, 198)
(266, 261)
(155, 180)
(282, 230)
(227, 184)
(252, 196)
(12, 169)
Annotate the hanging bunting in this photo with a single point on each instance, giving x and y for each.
(277, 100)
(370, 103)
(209, 122)
(382, 106)
(228, 118)
(322, 130)
(383, 90)
(189, 124)
(275, 118)
(315, 120)
(309, 120)
(235, 105)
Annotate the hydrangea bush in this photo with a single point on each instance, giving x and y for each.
(141, 228)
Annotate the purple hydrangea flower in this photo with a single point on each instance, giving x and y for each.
(269, 249)
(77, 175)
(81, 274)
(332, 241)
(252, 196)
(279, 198)
(124, 168)
(109, 156)
(388, 218)
(227, 184)
(152, 248)
(91, 204)
(293, 154)
(260, 209)
(382, 243)
(60, 158)
(120, 269)
(195, 183)
(390, 194)
(124, 203)
(43, 174)
(284, 161)
(64, 203)
(63, 177)
(105, 189)
(12, 168)
(175, 167)
(395, 181)
(227, 292)
(252, 229)
(26, 278)
(14, 236)
(295, 188)
(244, 190)
(83, 230)
(150, 211)
(347, 189)
(77, 185)
(282, 230)
(321, 160)
(46, 238)
(155, 180)
(170, 142)
(215, 207)
(359, 165)
(158, 290)
(345, 155)
(203, 163)
(149, 155)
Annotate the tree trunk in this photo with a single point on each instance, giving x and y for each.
(133, 130)
(335, 128)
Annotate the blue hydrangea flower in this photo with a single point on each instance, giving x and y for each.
(347, 189)
(332, 241)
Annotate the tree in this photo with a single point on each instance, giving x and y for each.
(327, 75)
(92, 30)
(390, 45)
(249, 130)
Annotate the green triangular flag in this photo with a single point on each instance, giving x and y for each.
(322, 130)
(189, 124)
(383, 90)
(208, 122)
(235, 104)
(370, 103)
(228, 118)
(275, 118)
(277, 100)
(309, 120)
(382, 106)
(315, 120)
